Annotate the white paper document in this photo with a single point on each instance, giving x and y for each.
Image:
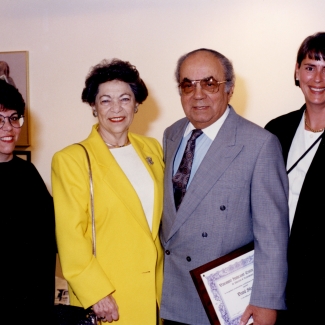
(229, 288)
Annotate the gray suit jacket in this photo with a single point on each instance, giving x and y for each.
(238, 195)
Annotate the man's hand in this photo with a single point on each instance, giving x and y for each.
(261, 316)
(106, 309)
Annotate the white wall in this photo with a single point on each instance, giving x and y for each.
(66, 37)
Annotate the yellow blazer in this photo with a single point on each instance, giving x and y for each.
(129, 260)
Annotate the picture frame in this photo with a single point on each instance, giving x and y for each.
(26, 155)
(14, 65)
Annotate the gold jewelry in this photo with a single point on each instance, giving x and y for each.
(313, 130)
(118, 146)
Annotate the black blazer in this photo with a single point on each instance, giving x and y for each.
(306, 243)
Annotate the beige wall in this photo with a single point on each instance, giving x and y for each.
(66, 37)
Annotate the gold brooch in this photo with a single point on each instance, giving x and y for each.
(149, 160)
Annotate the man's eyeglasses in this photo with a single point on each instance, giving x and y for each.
(209, 84)
(15, 120)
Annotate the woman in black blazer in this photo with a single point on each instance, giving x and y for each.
(297, 132)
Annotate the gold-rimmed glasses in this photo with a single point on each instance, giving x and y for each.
(209, 84)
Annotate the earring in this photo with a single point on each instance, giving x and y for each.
(136, 109)
(95, 114)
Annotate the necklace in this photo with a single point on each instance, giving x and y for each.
(312, 130)
(118, 146)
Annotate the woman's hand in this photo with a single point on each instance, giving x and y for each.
(106, 309)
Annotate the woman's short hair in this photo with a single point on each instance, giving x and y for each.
(115, 69)
(10, 98)
(314, 47)
(225, 62)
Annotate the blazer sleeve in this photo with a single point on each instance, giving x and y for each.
(70, 184)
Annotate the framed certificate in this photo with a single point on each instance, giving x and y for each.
(224, 285)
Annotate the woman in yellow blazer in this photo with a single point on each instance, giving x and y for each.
(123, 282)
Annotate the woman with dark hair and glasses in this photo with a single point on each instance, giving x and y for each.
(301, 134)
(27, 214)
(123, 282)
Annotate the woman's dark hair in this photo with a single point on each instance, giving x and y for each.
(113, 70)
(312, 47)
(10, 98)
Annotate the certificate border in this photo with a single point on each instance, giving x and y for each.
(199, 284)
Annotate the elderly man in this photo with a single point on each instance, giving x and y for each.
(228, 190)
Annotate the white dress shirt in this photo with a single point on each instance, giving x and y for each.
(202, 144)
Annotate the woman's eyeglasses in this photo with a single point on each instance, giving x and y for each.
(15, 120)
(209, 84)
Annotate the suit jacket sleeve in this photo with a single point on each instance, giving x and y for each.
(269, 195)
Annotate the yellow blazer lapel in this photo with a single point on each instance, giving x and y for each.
(115, 179)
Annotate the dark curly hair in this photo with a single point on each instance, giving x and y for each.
(312, 47)
(115, 69)
(10, 98)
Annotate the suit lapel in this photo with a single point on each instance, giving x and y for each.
(171, 145)
(221, 153)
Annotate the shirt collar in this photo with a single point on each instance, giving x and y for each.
(212, 130)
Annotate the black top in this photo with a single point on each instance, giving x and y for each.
(28, 243)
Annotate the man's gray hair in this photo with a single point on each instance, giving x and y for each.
(226, 63)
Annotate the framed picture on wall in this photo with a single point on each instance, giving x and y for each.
(26, 155)
(14, 69)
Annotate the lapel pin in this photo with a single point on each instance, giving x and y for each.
(149, 160)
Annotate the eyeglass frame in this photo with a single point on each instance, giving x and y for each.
(10, 118)
(195, 82)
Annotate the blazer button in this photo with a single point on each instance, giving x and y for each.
(204, 234)
(222, 208)
(167, 252)
(188, 259)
